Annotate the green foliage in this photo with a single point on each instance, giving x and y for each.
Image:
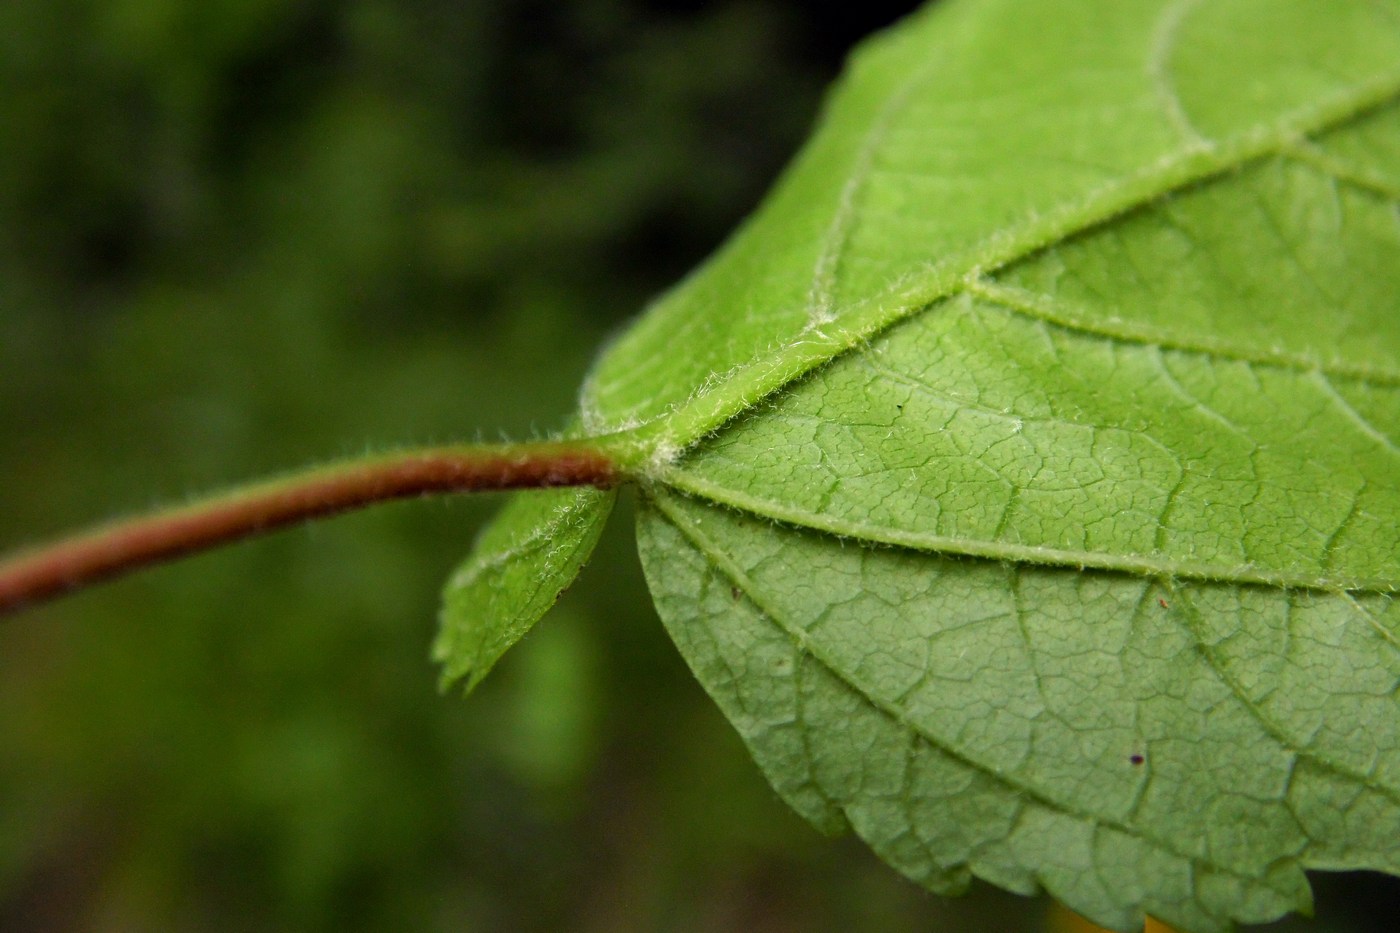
(238, 236)
(1026, 488)
(532, 550)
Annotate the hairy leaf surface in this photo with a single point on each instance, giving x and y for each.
(532, 551)
(1023, 479)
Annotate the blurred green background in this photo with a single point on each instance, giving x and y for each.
(238, 236)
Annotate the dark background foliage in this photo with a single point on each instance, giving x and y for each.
(238, 236)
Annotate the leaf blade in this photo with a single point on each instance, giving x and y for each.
(523, 561)
(1143, 764)
(1111, 348)
(749, 315)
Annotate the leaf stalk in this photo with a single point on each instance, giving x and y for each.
(71, 563)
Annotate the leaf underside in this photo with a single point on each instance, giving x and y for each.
(1027, 491)
(528, 555)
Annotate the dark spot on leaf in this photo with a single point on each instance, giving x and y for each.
(1136, 759)
(735, 592)
(1162, 602)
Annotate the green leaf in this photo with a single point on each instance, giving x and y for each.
(529, 554)
(1129, 744)
(1023, 479)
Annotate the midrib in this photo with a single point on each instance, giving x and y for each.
(654, 446)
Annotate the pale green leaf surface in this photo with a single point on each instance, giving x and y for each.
(1008, 422)
(1367, 152)
(524, 559)
(984, 716)
(974, 135)
(1047, 416)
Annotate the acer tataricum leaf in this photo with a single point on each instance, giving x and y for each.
(1023, 479)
